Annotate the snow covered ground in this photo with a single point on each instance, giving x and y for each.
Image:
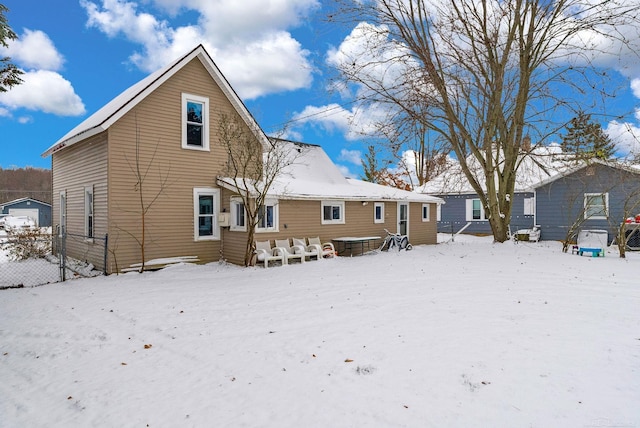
(460, 334)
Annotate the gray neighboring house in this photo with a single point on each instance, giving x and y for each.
(39, 211)
(462, 209)
(595, 195)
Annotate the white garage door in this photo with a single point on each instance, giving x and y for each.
(29, 212)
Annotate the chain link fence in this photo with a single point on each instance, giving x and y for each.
(32, 257)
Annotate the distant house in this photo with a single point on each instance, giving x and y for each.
(550, 192)
(462, 208)
(38, 211)
(595, 194)
(156, 148)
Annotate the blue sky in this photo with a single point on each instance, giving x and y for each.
(79, 54)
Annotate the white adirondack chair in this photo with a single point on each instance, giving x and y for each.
(265, 253)
(289, 252)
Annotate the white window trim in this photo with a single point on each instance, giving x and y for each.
(606, 206)
(205, 121)
(375, 206)
(340, 204)
(236, 201)
(469, 216)
(529, 206)
(428, 216)
(276, 217)
(87, 208)
(206, 191)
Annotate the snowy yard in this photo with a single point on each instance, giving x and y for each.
(462, 334)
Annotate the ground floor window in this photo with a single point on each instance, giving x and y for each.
(596, 206)
(332, 212)
(425, 212)
(268, 217)
(378, 212)
(475, 210)
(238, 214)
(88, 212)
(205, 207)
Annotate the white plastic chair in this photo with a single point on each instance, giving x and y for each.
(265, 253)
(289, 252)
(327, 249)
(309, 251)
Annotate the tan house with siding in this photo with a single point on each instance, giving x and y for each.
(149, 166)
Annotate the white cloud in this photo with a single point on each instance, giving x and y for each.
(625, 135)
(248, 40)
(34, 50)
(42, 88)
(354, 124)
(351, 156)
(346, 172)
(46, 91)
(635, 87)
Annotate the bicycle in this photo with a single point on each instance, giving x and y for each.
(395, 240)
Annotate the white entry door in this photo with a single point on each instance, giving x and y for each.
(403, 218)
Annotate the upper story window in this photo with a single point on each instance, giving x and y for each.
(378, 212)
(333, 212)
(268, 217)
(596, 206)
(195, 122)
(238, 214)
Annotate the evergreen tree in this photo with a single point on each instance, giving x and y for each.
(586, 139)
(370, 166)
(9, 73)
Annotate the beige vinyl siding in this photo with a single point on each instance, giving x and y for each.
(170, 219)
(69, 177)
(422, 232)
(302, 219)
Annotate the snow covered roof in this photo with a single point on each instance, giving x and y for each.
(635, 169)
(20, 200)
(120, 105)
(312, 175)
(538, 165)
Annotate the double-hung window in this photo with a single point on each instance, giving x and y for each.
(238, 214)
(332, 212)
(475, 211)
(195, 122)
(88, 212)
(268, 216)
(378, 212)
(205, 207)
(596, 206)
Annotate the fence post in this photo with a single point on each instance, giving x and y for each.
(106, 245)
(62, 253)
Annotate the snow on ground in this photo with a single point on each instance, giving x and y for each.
(460, 334)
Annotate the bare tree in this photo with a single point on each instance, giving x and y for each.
(490, 73)
(147, 193)
(254, 163)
